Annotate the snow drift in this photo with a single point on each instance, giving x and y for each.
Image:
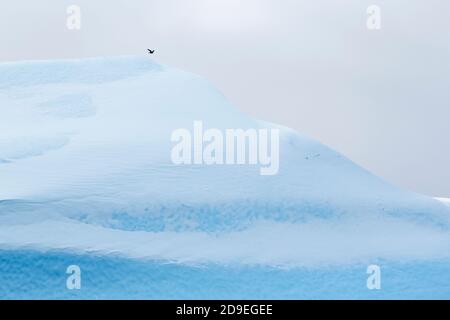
(85, 171)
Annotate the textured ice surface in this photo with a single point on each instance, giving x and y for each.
(36, 275)
(86, 178)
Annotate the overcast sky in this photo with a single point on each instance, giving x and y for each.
(381, 97)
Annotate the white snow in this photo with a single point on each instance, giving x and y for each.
(85, 166)
(264, 243)
(445, 201)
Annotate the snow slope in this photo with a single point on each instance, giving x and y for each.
(85, 173)
(446, 201)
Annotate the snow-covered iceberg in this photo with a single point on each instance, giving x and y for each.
(86, 178)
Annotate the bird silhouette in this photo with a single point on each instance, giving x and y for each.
(151, 51)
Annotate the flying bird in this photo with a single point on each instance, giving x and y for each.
(151, 51)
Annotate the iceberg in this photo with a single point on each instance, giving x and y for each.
(86, 179)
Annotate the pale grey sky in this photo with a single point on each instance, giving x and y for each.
(380, 97)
